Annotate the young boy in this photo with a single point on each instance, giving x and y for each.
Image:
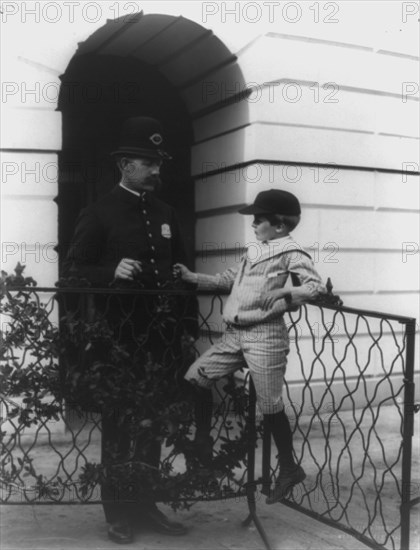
(256, 334)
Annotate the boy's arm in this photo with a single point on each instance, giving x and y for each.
(288, 299)
(307, 283)
(304, 274)
(220, 281)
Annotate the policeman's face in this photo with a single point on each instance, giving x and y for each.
(141, 174)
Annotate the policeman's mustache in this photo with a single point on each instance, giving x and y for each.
(155, 181)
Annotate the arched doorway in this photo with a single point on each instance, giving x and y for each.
(154, 65)
(146, 65)
(97, 94)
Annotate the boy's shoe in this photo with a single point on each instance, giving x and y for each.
(285, 483)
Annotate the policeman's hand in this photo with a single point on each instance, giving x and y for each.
(128, 269)
(180, 271)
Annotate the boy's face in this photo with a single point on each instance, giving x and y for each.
(264, 231)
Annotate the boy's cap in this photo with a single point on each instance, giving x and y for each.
(273, 201)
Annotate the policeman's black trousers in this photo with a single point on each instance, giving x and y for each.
(125, 497)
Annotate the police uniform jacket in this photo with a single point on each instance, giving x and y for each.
(124, 225)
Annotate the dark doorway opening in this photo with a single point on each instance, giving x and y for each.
(98, 93)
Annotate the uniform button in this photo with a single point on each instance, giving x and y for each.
(156, 271)
(153, 248)
(144, 211)
(147, 222)
(150, 235)
(158, 284)
(152, 261)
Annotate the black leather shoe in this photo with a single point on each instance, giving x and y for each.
(284, 484)
(120, 532)
(156, 520)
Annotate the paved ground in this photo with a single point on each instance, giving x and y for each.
(213, 526)
(217, 525)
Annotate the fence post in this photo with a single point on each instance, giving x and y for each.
(266, 458)
(408, 430)
(251, 484)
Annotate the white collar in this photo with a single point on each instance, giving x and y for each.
(129, 190)
(277, 241)
(263, 250)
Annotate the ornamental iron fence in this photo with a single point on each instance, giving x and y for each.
(68, 357)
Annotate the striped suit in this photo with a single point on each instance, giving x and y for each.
(256, 336)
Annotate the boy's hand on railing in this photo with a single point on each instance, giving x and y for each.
(128, 269)
(294, 297)
(302, 294)
(271, 297)
(180, 271)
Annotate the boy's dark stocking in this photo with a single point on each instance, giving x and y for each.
(282, 435)
(290, 473)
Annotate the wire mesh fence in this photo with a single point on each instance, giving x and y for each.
(356, 442)
(349, 398)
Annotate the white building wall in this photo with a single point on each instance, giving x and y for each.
(359, 206)
(359, 121)
(38, 41)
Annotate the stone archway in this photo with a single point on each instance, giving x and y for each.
(155, 65)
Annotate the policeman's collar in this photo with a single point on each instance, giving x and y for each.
(130, 190)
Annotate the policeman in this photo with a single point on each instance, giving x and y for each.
(130, 236)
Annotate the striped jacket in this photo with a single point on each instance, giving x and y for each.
(264, 268)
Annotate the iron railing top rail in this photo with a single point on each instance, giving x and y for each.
(182, 292)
